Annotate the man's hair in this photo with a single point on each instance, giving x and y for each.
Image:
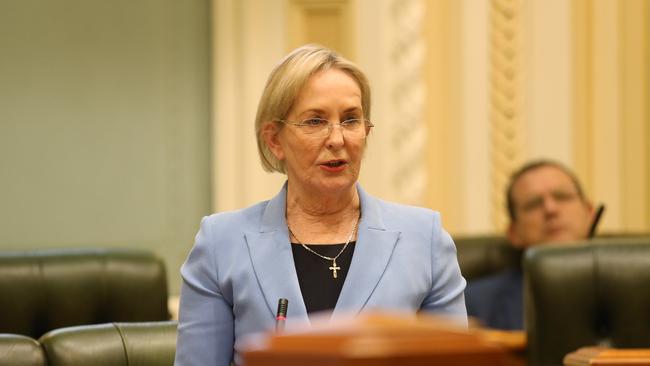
(285, 83)
(533, 165)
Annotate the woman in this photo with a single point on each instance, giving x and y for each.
(322, 242)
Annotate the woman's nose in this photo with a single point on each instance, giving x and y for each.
(335, 137)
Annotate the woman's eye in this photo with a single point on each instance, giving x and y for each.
(352, 121)
(314, 121)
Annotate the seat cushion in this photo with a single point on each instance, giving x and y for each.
(44, 290)
(585, 294)
(113, 344)
(480, 256)
(19, 350)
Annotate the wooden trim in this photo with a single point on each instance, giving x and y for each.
(634, 115)
(506, 100)
(582, 91)
(326, 22)
(441, 111)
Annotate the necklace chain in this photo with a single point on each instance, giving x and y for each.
(334, 267)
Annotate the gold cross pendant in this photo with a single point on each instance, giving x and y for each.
(334, 268)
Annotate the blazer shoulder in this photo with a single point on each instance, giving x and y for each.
(401, 213)
(245, 219)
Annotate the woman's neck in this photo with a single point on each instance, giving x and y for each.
(319, 218)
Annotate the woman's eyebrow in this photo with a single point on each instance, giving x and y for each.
(311, 111)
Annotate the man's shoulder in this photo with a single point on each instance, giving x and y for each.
(496, 300)
(503, 279)
(502, 285)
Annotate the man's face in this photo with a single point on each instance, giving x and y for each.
(548, 208)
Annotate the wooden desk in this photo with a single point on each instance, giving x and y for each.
(378, 339)
(601, 356)
(513, 341)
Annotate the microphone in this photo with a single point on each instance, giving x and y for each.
(281, 316)
(599, 213)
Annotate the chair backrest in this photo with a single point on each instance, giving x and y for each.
(480, 256)
(589, 293)
(45, 290)
(116, 344)
(19, 350)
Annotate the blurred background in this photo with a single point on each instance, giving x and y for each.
(122, 123)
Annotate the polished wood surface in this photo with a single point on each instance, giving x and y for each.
(377, 339)
(601, 356)
(512, 341)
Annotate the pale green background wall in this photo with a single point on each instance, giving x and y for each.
(104, 124)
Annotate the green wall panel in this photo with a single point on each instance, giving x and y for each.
(104, 124)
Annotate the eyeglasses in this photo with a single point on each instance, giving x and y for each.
(537, 202)
(321, 128)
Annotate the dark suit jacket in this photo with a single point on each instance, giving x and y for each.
(497, 300)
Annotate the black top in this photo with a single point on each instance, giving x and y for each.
(320, 290)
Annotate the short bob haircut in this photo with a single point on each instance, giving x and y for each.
(285, 83)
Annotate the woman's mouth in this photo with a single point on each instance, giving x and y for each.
(333, 165)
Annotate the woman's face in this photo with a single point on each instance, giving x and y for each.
(326, 162)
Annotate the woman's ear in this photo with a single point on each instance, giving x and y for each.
(271, 135)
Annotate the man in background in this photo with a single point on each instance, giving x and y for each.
(546, 204)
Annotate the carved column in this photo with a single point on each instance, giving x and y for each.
(505, 99)
(408, 95)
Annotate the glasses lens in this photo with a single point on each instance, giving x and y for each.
(362, 128)
(354, 127)
(315, 126)
(321, 128)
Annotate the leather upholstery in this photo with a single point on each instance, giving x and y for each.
(116, 344)
(587, 294)
(480, 256)
(44, 290)
(19, 350)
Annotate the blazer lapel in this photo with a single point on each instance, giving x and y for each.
(272, 259)
(372, 253)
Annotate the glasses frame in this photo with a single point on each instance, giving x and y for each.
(330, 126)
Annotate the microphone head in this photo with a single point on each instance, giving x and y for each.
(282, 307)
(598, 214)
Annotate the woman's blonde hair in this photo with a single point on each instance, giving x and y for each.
(285, 83)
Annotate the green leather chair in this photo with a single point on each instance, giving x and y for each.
(583, 294)
(480, 256)
(49, 289)
(19, 350)
(114, 344)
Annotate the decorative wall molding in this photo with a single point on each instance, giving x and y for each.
(611, 119)
(635, 99)
(581, 23)
(457, 98)
(326, 22)
(247, 44)
(506, 98)
(408, 92)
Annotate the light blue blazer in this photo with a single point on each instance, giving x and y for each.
(242, 263)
